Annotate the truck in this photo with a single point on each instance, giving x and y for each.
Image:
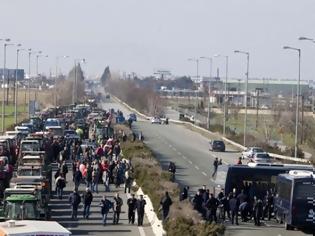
(24, 202)
(294, 202)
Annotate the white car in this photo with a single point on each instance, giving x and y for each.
(249, 152)
(156, 120)
(262, 157)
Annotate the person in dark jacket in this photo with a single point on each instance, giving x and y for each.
(77, 178)
(212, 205)
(165, 203)
(87, 200)
(197, 202)
(258, 211)
(105, 205)
(140, 210)
(118, 202)
(60, 185)
(234, 205)
(74, 200)
(184, 193)
(132, 205)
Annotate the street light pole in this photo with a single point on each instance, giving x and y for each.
(29, 81)
(197, 67)
(209, 88)
(3, 82)
(297, 100)
(246, 92)
(16, 84)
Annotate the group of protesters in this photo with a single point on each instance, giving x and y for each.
(232, 206)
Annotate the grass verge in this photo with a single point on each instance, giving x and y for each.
(183, 220)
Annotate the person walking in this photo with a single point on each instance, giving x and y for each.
(64, 170)
(77, 178)
(74, 200)
(88, 178)
(132, 205)
(105, 178)
(95, 179)
(215, 166)
(87, 200)
(60, 184)
(118, 202)
(165, 203)
(105, 205)
(140, 209)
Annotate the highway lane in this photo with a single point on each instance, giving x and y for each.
(190, 151)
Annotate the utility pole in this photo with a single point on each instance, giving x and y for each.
(257, 106)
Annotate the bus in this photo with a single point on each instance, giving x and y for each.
(257, 178)
(295, 200)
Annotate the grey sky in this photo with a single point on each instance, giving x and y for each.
(143, 35)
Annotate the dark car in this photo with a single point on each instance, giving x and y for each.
(217, 145)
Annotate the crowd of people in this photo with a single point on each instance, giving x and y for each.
(231, 207)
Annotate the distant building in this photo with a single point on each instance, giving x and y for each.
(11, 73)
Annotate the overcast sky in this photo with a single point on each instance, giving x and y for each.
(144, 35)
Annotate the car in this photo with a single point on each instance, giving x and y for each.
(217, 145)
(156, 120)
(261, 157)
(249, 152)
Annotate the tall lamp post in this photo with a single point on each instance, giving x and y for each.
(5, 45)
(75, 84)
(226, 105)
(30, 52)
(297, 99)
(197, 75)
(57, 61)
(246, 92)
(209, 87)
(15, 82)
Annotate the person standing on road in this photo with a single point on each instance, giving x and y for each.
(212, 206)
(258, 211)
(60, 184)
(105, 205)
(87, 200)
(165, 203)
(118, 202)
(75, 201)
(132, 205)
(140, 210)
(234, 205)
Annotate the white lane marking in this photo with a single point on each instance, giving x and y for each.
(179, 153)
(184, 157)
(170, 145)
(204, 173)
(141, 231)
(174, 149)
(197, 167)
(190, 162)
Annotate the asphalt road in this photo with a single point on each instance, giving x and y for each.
(61, 212)
(190, 151)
